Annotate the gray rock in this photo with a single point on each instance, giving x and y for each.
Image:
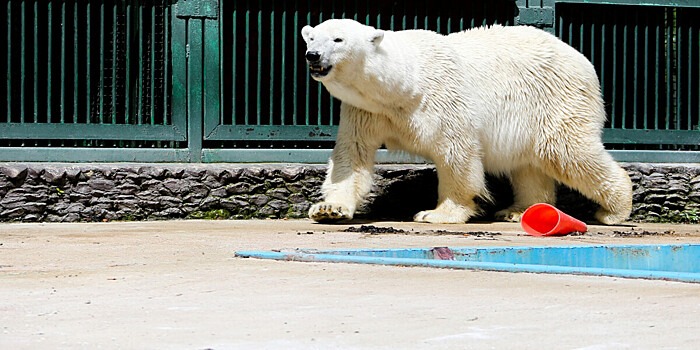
(101, 184)
(13, 173)
(168, 201)
(279, 193)
(218, 192)
(238, 188)
(53, 175)
(259, 200)
(234, 204)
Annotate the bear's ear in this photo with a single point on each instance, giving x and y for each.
(305, 33)
(377, 37)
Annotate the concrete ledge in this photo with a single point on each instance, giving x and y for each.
(105, 192)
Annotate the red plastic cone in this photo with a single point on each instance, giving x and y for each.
(542, 219)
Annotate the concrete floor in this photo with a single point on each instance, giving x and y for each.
(177, 285)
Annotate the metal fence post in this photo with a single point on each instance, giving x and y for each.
(196, 67)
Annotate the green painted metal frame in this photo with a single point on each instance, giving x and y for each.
(88, 130)
(198, 91)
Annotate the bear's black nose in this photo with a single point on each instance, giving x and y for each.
(313, 56)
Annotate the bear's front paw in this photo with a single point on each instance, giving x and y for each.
(440, 217)
(323, 211)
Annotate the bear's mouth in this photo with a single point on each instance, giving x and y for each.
(318, 71)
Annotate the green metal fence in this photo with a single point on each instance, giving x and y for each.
(648, 60)
(208, 80)
(87, 74)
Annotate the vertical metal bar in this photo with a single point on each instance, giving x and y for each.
(645, 117)
(222, 23)
(623, 117)
(115, 31)
(211, 80)
(63, 62)
(657, 82)
(272, 63)
(9, 61)
(354, 16)
(635, 74)
(603, 62)
(614, 74)
(258, 81)
(426, 22)
(669, 79)
(679, 70)
(195, 85)
(88, 87)
(319, 95)
(167, 61)
(582, 45)
(76, 63)
(689, 100)
(180, 88)
(234, 61)
(593, 58)
(283, 96)
(102, 63)
(49, 62)
(246, 87)
(128, 118)
(295, 64)
(560, 28)
(35, 88)
(23, 50)
(152, 54)
(307, 85)
(367, 15)
(140, 79)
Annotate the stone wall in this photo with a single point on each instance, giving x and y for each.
(106, 192)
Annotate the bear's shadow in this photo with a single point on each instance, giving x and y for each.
(400, 194)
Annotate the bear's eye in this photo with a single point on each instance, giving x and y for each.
(338, 40)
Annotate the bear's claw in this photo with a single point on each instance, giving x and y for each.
(329, 212)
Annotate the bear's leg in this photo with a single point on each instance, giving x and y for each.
(458, 184)
(530, 186)
(343, 190)
(350, 169)
(597, 176)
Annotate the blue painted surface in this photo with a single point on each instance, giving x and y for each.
(670, 262)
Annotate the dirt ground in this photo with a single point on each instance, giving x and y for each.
(177, 285)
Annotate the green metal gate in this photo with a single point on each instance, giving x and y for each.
(87, 77)
(209, 80)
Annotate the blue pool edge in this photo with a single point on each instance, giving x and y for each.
(472, 265)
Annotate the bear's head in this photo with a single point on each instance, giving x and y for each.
(338, 43)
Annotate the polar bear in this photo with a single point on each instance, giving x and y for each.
(510, 101)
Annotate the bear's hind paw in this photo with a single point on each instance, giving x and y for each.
(609, 218)
(439, 217)
(321, 212)
(510, 215)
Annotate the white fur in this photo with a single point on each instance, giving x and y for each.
(512, 101)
